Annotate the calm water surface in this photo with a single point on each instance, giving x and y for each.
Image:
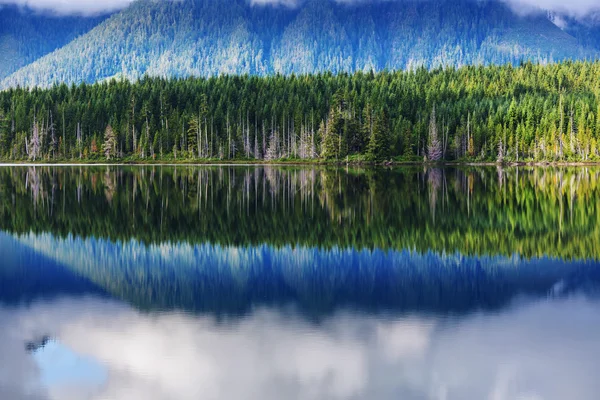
(299, 283)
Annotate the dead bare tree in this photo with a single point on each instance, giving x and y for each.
(434, 149)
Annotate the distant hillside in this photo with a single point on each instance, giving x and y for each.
(26, 35)
(587, 32)
(209, 37)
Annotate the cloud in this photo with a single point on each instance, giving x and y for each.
(539, 350)
(284, 3)
(66, 7)
(574, 8)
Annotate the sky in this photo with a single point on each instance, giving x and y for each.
(576, 8)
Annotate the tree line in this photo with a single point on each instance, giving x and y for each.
(487, 113)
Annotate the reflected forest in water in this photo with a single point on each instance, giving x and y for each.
(529, 212)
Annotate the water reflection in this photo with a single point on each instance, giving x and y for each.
(547, 349)
(234, 279)
(299, 283)
(532, 212)
(27, 276)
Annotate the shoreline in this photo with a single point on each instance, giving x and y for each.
(245, 163)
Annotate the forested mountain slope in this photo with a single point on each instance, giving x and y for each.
(587, 32)
(210, 37)
(26, 35)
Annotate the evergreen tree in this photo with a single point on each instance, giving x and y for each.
(598, 118)
(5, 140)
(109, 147)
(379, 142)
(192, 135)
(334, 145)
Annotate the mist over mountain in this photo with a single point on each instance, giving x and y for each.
(69, 7)
(26, 35)
(213, 37)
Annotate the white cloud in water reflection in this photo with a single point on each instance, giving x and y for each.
(545, 350)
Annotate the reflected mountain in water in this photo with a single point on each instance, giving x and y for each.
(27, 276)
(233, 280)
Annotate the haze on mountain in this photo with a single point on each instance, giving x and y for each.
(214, 37)
(26, 34)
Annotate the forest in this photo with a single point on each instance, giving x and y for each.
(530, 112)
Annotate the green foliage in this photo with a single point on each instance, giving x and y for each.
(532, 112)
(334, 145)
(379, 142)
(5, 136)
(192, 135)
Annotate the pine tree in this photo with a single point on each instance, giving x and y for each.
(321, 132)
(203, 123)
(79, 140)
(93, 146)
(367, 123)
(192, 135)
(4, 135)
(109, 147)
(379, 142)
(334, 145)
(132, 117)
(560, 128)
(598, 119)
(53, 140)
(355, 134)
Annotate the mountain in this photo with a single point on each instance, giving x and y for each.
(26, 35)
(586, 31)
(211, 37)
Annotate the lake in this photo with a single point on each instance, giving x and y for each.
(288, 282)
